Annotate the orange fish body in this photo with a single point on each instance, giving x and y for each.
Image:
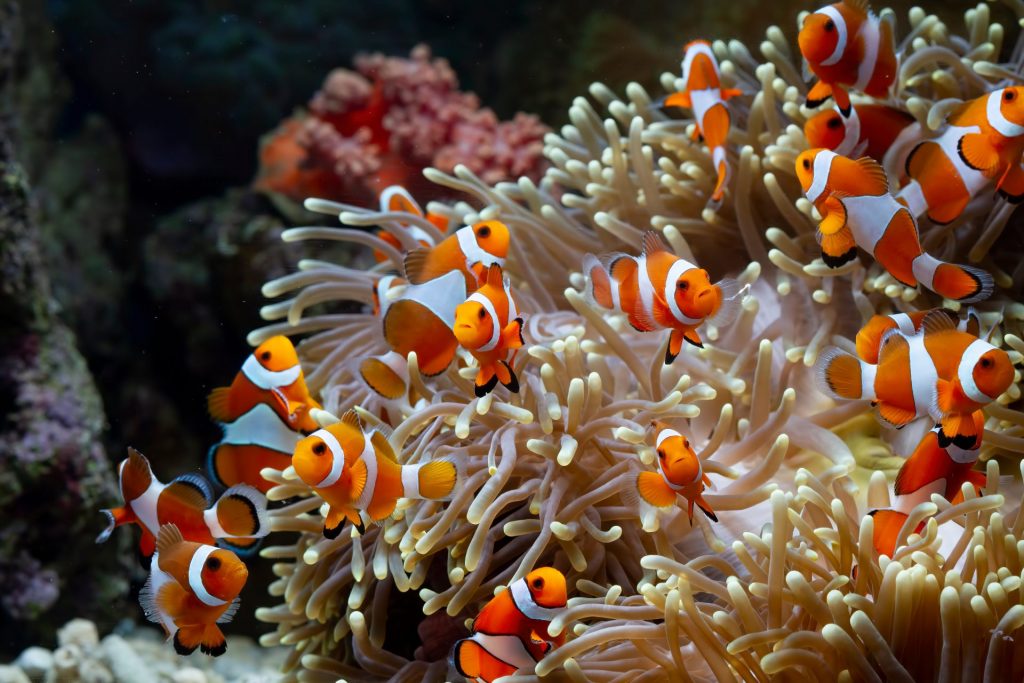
(983, 143)
(930, 469)
(396, 198)
(884, 133)
(659, 290)
(262, 415)
(869, 339)
(704, 94)
(238, 518)
(939, 371)
(470, 251)
(511, 631)
(191, 588)
(679, 472)
(421, 320)
(847, 46)
(354, 472)
(488, 325)
(858, 211)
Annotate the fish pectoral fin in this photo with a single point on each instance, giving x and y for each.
(507, 376)
(217, 404)
(817, 95)
(976, 152)
(654, 490)
(512, 335)
(1011, 185)
(728, 93)
(678, 99)
(834, 218)
(334, 522)
(358, 475)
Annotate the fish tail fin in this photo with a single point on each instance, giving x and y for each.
(241, 511)
(475, 662)
(841, 375)
(599, 283)
(382, 378)
(217, 404)
(966, 284)
(115, 518)
(654, 491)
(887, 528)
(437, 479)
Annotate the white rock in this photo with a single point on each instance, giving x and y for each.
(189, 674)
(91, 671)
(35, 662)
(12, 674)
(80, 632)
(126, 666)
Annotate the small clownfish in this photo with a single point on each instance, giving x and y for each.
(511, 631)
(470, 251)
(680, 473)
(488, 325)
(931, 468)
(846, 45)
(237, 519)
(387, 374)
(705, 95)
(262, 415)
(191, 588)
(984, 142)
(857, 210)
(869, 339)
(659, 290)
(354, 472)
(396, 198)
(422, 319)
(884, 133)
(939, 371)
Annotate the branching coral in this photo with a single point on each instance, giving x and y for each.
(791, 586)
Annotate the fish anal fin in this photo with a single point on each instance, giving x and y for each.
(654, 490)
(217, 405)
(977, 152)
(1011, 185)
(895, 415)
(690, 335)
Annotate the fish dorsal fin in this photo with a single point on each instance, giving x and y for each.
(168, 537)
(217, 404)
(383, 446)
(351, 418)
(875, 173)
(938, 321)
(136, 475)
(397, 198)
(861, 7)
(972, 325)
(653, 243)
(415, 264)
(192, 490)
(494, 276)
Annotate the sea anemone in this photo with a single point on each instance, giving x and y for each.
(788, 582)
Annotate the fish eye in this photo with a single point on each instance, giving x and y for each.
(483, 231)
(986, 363)
(834, 123)
(1009, 95)
(320, 448)
(682, 285)
(686, 442)
(538, 583)
(481, 314)
(661, 454)
(265, 355)
(213, 564)
(807, 164)
(830, 26)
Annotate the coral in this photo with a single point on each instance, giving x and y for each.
(385, 122)
(788, 582)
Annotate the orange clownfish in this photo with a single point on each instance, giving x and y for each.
(511, 631)
(262, 414)
(939, 371)
(984, 142)
(931, 468)
(191, 588)
(422, 318)
(659, 290)
(884, 133)
(846, 45)
(354, 472)
(869, 339)
(857, 210)
(680, 473)
(488, 325)
(705, 95)
(237, 519)
(397, 198)
(386, 374)
(470, 251)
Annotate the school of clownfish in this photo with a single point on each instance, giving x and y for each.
(870, 173)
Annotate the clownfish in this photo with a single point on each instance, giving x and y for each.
(237, 519)
(984, 142)
(659, 290)
(931, 468)
(354, 472)
(869, 339)
(387, 374)
(939, 371)
(705, 95)
(422, 317)
(262, 415)
(397, 198)
(470, 251)
(191, 588)
(488, 325)
(884, 133)
(846, 45)
(857, 209)
(511, 631)
(679, 472)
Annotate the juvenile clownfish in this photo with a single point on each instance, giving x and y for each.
(930, 469)
(659, 290)
(938, 371)
(488, 325)
(191, 588)
(511, 631)
(869, 339)
(386, 374)
(470, 251)
(354, 472)
(237, 519)
(984, 142)
(846, 45)
(397, 198)
(679, 472)
(857, 210)
(705, 95)
(262, 414)
(884, 133)
(422, 319)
